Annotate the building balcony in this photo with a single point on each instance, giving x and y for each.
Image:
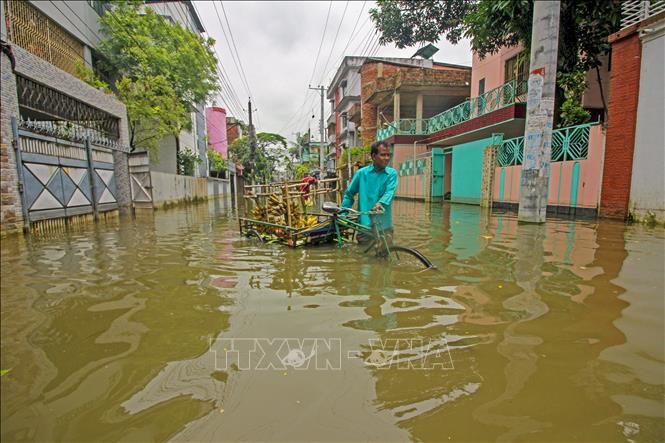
(507, 95)
(354, 114)
(345, 101)
(380, 92)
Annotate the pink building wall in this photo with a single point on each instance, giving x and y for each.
(491, 68)
(588, 193)
(411, 186)
(216, 122)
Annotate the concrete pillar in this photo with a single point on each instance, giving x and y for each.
(87, 56)
(487, 183)
(419, 113)
(540, 110)
(396, 104)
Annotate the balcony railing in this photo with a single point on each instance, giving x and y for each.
(388, 131)
(494, 99)
(571, 143)
(634, 11)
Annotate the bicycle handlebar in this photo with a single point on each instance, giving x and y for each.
(362, 213)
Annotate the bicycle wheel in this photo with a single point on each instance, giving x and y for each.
(408, 258)
(254, 233)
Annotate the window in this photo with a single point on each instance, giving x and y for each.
(31, 29)
(343, 86)
(481, 100)
(345, 120)
(516, 69)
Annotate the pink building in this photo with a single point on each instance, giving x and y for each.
(216, 122)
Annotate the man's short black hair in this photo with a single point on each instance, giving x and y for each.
(376, 144)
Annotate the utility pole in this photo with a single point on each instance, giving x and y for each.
(299, 141)
(252, 141)
(321, 89)
(540, 111)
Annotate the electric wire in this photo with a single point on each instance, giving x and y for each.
(332, 48)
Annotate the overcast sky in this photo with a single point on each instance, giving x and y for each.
(277, 44)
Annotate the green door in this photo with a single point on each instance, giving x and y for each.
(438, 171)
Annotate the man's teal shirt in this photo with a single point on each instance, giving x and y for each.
(372, 186)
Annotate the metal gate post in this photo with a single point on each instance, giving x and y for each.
(91, 175)
(19, 170)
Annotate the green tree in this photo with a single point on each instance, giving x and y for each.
(271, 155)
(491, 24)
(153, 110)
(187, 161)
(216, 161)
(161, 67)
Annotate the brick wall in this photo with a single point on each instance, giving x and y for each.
(41, 71)
(232, 133)
(379, 77)
(622, 117)
(367, 110)
(11, 216)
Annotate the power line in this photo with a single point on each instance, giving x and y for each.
(94, 33)
(332, 48)
(233, 57)
(225, 87)
(297, 112)
(236, 61)
(323, 36)
(352, 36)
(129, 34)
(225, 81)
(242, 69)
(74, 50)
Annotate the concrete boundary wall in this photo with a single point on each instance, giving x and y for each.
(647, 188)
(172, 189)
(573, 183)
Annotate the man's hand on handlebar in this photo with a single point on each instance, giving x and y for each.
(378, 208)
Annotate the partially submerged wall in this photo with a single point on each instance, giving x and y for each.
(172, 189)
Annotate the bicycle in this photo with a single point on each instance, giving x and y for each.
(375, 235)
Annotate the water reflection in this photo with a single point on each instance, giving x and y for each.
(549, 332)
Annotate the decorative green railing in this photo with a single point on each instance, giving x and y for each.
(494, 99)
(510, 152)
(384, 133)
(571, 143)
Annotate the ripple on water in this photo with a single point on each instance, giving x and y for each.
(116, 332)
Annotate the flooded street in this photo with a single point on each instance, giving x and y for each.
(121, 331)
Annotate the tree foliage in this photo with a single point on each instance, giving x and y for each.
(187, 161)
(491, 24)
(153, 110)
(216, 161)
(161, 69)
(271, 155)
(573, 85)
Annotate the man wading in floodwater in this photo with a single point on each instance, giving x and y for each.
(376, 185)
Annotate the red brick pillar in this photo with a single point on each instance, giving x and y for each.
(11, 215)
(621, 122)
(367, 109)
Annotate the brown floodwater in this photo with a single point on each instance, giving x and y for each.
(171, 326)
